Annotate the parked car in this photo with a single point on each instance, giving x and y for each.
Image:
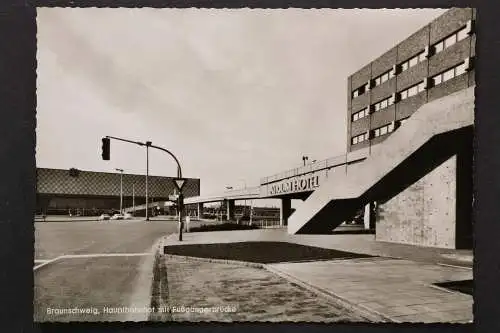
(127, 216)
(117, 217)
(104, 217)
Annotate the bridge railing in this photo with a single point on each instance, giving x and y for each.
(309, 168)
(243, 191)
(328, 163)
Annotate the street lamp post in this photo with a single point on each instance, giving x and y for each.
(304, 159)
(245, 201)
(121, 189)
(149, 144)
(133, 198)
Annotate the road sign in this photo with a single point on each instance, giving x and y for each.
(179, 183)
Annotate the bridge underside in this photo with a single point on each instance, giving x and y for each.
(424, 160)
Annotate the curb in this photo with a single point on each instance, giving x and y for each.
(215, 261)
(366, 312)
(142, 295)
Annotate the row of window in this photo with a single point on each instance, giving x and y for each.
(383, 130)
(383, 103)
(413, 61)
(386, 129)
(452, 39)
(384, 77)
(414, 90)
(450, 73)
(360, 114)
(432, 50)
(359, 138)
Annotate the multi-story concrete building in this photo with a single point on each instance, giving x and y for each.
(409, 150)
(435, 61)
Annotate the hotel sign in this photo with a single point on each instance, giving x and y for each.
(296, 184)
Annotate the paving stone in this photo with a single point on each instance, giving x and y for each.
(257, 295)
(376, 283)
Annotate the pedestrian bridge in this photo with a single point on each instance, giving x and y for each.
(332, 190)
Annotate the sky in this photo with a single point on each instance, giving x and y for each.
(236, 95)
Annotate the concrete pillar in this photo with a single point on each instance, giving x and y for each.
(230, 210)
(200, 210)
(369, 216)
(285, 211)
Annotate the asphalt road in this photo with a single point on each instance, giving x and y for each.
(106, 278)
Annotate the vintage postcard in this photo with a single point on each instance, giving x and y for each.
(254, 165)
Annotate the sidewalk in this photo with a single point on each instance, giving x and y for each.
(359, 243)
(399, 290)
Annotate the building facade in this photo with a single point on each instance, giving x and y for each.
(435, 61)
(432, 63)
(91, 193)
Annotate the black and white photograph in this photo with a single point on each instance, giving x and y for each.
(254, 165)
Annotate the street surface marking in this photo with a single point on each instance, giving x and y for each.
(102, 255)
(45, 263)
(94, 255)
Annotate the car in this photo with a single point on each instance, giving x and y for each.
(104, 217)
(117, 217)
(127, 216)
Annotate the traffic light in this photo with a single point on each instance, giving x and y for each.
(74, 172)
(105, 148)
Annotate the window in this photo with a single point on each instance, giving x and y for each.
(404, 66)
(437, 79)
(385, 77)
(460, 69)
(450, 41)
(462, 34)
(355, 93)
(439, 47)
(413, 61)
(412, 91)
(390, 100)
(421, 86)
(421, 57)
(448, 75)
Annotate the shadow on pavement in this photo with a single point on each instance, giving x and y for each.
(260, 252)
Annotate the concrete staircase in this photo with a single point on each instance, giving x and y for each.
(434, 133)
